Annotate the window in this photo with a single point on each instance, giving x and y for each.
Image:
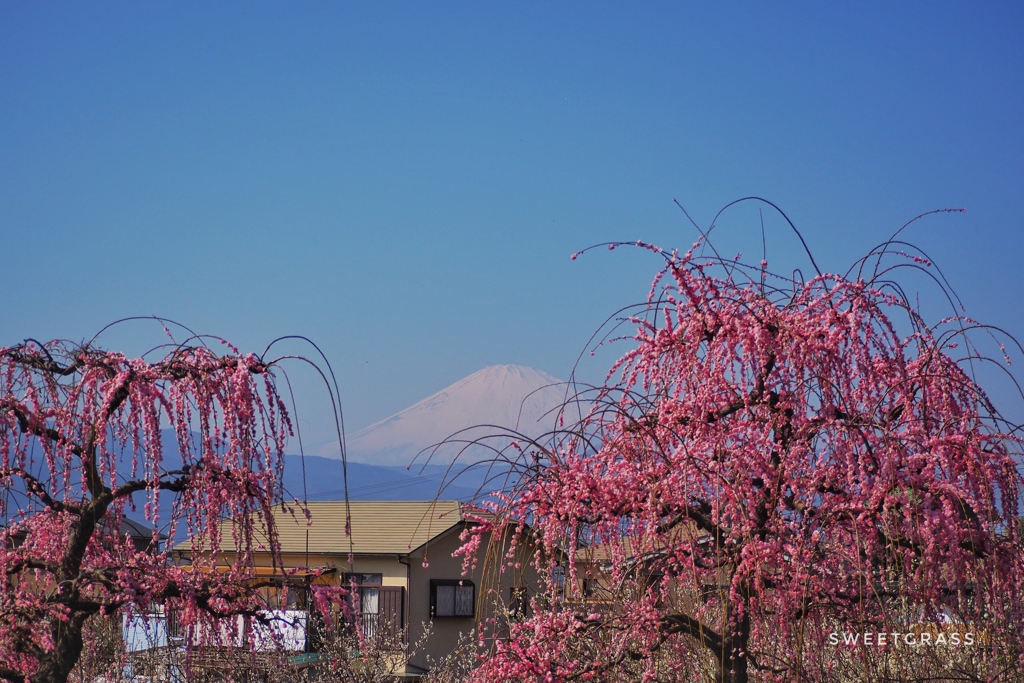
(452, 598)
(365, 594)
(364, 600)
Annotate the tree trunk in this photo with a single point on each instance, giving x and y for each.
(55, 666)
(735, 670)
(734, 654)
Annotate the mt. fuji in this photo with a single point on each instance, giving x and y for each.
(502, 396)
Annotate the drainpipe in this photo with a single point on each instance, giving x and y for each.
(408, 590)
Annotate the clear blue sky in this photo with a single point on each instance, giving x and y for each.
(404, 182)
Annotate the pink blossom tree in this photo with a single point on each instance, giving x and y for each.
(80, 443)
(765, 467)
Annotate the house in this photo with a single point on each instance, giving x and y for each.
(398, 563)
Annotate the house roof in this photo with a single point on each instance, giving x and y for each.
(139, 531)
(378, 527)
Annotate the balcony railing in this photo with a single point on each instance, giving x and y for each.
(379, 613)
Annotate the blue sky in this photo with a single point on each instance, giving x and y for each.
(404, 182)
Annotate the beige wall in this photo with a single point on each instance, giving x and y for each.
(493, 588)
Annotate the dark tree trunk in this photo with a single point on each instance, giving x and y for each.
(734, 656)
(55, 666)
(735, 670)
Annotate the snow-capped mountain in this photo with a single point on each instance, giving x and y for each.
(512, 397)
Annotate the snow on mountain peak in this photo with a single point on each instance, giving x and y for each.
(512, 397)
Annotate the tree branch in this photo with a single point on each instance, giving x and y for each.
(755, 395)
(11, 675)
(49, 365)
(184, 478)
(19, 565)
(29, 425)
(687, 625)
(36, 488)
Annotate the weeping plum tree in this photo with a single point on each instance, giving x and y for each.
(80, 439)
(765, 468)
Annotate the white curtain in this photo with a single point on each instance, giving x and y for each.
(369, 600)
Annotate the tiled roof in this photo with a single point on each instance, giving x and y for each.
(378, 527)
